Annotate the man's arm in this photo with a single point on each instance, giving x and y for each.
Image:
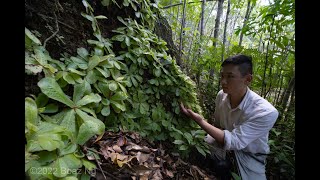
(216, 133)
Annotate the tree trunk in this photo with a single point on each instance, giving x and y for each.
(286, 95)
(289, 91)
(246, 17)
(217, 23)
(182, 27)
(266, 62)
(234, 23)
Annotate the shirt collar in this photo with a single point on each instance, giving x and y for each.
(242, 103)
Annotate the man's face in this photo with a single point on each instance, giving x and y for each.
(232, 81)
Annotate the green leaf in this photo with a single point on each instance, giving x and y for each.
(69, 122)
(90, 111)
(31, 111)
(89, 128)
(60, 168)
(105, 72)
(144, 108)
(51, 88)
(134, 82)
(119, 96)
(157, 72)
(119, 105)
(72, 162)
(113, 86)
(127, 40)
(51, 108)
(91, 77)
(183, 147)
(105, 111)
(31, 36)
(89, 99)
(44, 141)
(100, 17)
(201, 151)
(177, 141)
(66, 76)
(105, 2)
(70, 148)
(88, 165)
(80, 90)
(93, 62)
(188, 137)
(82, 52)
(41, 100)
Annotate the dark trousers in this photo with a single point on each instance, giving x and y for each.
(223, 168)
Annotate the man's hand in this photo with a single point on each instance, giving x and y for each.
(190, 113)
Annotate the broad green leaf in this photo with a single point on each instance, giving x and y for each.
(85, 176)
(177, 141)
(69, 122)
(33, 69)
(122, 88)
(44, 141)
(70, 148)
(119, 96)
(105, 111)
(93, 62)
(134, 82)
(76, 71)
(41, 100)
(90, 18)
(31, 36)
(77, 60)
(119, 105)
(60, 168)
(82, 52)
(89, 99)
(144, 108)
(51, 88)
(90, 111)
(188, 137)
(72, 161)
(31, 111)
(183, 147)
(127, 40)
(80, 90)
(88, 165)
(113, 86)
(157, 72)
(201, 151)
(105, 73)
(51, 108)
(91, 77)
(105, 2)
(46, 157)
(89, 128)
(66, 76)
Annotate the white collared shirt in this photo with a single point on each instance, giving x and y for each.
(247, 126)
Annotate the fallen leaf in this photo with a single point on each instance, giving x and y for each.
(117, 148)
(122, 140)
(141, 170)
(157, 175)
(168, 173)
(142, 157)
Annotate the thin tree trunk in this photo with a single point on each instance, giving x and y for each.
(225, 35)
(286, 95)
(178, 4)
(182, 27)
(214, 5)
(234, 23)
(259, 49)
(203, 6)
(266, 62)
(246, 17)
(217, 23)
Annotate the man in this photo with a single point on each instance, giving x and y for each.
(244, 117)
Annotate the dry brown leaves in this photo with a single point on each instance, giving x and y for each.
(125, 155)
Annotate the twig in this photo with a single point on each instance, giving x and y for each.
(55, 33)
(101, 169)
(109, 174)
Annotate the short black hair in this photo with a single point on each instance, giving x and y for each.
(244, 63)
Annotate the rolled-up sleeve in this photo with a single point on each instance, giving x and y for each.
(256, 126)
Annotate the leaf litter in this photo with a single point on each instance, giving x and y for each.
(126, 155)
